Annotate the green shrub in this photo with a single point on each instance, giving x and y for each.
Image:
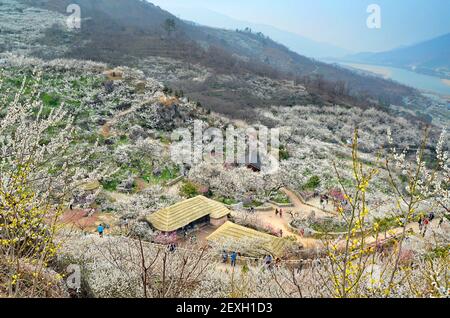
(169, 174)
(387, 223)
(189, 190)
(253, 204)
(280, 197)
(328, 226)
(110, 185)
(227, 201)
(312, 183)
(50, 100)
(166, 174)
(284, 154)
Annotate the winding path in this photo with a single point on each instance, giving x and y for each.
(105, 130)
(299, 209)
(303, 210)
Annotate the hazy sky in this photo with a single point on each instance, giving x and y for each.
(338, 22)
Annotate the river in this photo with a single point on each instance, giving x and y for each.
(422, 82)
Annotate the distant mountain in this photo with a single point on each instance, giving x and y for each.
(431, 57)
(234, 62)
(297, 43)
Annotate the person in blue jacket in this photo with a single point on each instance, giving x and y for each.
(233, 259)
(100, 230)
(224, 257)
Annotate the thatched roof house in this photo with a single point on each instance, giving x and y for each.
(187, 212)
(261, 243)
(91, 186)
(253, 161)
(114, 75)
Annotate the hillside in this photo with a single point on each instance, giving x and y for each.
(125, 166)
(124, 126)
(431, 57)
(122, 32)
(297, 43)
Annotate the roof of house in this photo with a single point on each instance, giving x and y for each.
(114, 74)
(234, 232)
(185, 212)
(253, 160)
(91, 186)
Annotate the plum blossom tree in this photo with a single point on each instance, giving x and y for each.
(40, 168)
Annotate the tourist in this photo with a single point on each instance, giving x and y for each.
(281, 213)
(302, 232)
(431, 216)
(267, 261)
(441, 222)
(420, 223)
(233, 259)
(425, 226)
(100, 230)
(300, 267)
(322, 202)
(278, 262)
(281, 233)
(276, 212)
(224, 257)
(172, 247)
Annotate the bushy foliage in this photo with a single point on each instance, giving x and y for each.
(189, 190)
(39, 176)
(48, 159)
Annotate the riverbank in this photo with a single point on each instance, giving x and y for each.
(406, 77)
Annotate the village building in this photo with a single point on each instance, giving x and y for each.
(253, 160)
(114, 75)
(188, 214)
(255, 167)
(251, 242)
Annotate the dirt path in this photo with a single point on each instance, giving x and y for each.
(299, 209)
(81, 220)
(329, 208)
(414, 227)
(277, 223)
(302, 209)
(105, 130)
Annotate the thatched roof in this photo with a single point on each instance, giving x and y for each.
(183, 213)
(115, 74)
(263, 243)
(91, 186)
